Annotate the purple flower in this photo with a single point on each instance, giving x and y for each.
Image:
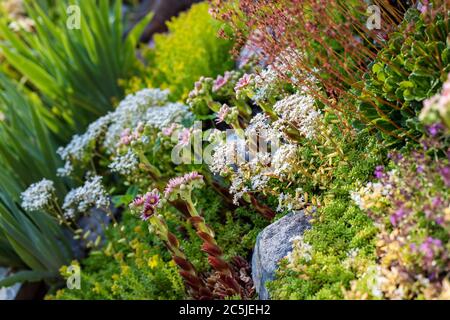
(437, 202)
(424, 6)
(379, 172)
(152, 199)
(398, 215)
(184, 137)
(139, 201)
(148, 203)
(223, 113)
(435, 129)
(445, 172)
(429, 248)
(147, 212)
(396, 157)
(177, 182)
(172, 185)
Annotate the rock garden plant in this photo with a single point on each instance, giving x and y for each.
(257, 150)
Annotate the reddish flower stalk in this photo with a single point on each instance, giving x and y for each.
(197, 286)
(182, 187)
(147, 206)
(335, 39)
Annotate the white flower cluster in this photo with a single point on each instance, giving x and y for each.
(80, 145)
(238, 189)
(261, 127)
(38, 196)
(287, 201)
(300, 111)
(228, 153)
(370, 194)
(250, 163)
(91, 195)
(219, 163)
(166, 115)
(284, 160)
(126, 164)
(131, 111)
(266, 84)
(269, 82)
(149, 106)
(65, 171)
(375, 280)
(301, 251)
(259, 182)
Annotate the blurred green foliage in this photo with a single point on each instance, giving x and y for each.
(189, 50)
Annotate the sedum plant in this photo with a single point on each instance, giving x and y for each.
(178, 63)
(341, 242)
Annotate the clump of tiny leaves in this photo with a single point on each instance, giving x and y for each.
(341, 243)
(126, 268)
(190, 50)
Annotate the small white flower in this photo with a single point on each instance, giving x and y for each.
(80, 145)
(300, 111)
(291, 202)
(356, 197)
(91, 195)
(238, 189)
(284, 160)
(259, 182)
(65, 171)
(300, 250)
(38, 196)
(125, 164)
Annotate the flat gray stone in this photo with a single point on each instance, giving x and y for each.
(272, 245)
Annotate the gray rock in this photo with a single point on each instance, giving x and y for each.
(272, 245)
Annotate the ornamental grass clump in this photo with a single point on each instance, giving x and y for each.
(75, 70)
